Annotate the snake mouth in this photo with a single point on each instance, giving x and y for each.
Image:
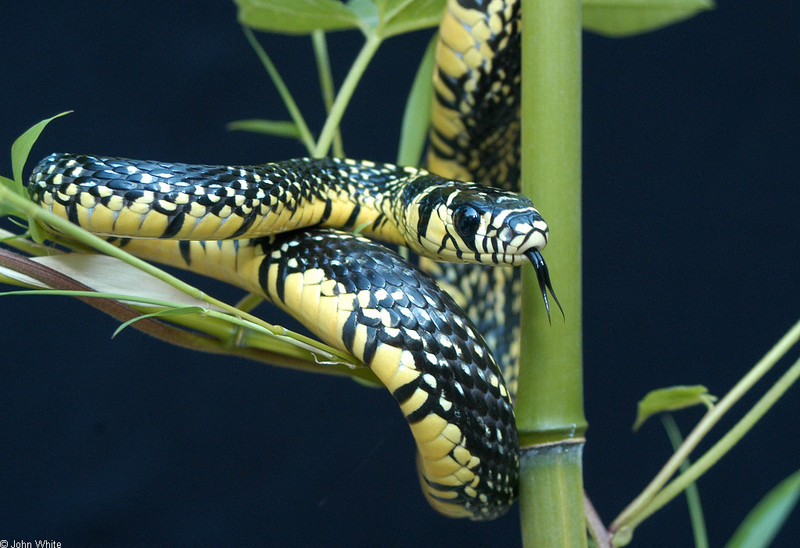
(543, 275)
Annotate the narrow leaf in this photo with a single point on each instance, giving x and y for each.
(12, 277)
(296, 16)
(671, 399)
(109, 275)
(22, 147)
(768, 516)
(19, 155)
(628, 17)
(360, 228)
(417, 113)
(278, 128)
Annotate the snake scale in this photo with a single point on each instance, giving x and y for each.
(283, 230)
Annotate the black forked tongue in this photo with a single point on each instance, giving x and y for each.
(543, 275)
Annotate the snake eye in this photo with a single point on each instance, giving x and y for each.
(467, 220)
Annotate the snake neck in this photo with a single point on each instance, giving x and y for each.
(368, 197)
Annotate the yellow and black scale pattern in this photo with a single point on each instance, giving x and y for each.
(435, 217)
(351, 292)
(357, 295)
(474, 136)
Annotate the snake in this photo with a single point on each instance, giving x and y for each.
(304, 233)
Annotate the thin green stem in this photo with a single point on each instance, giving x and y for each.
(239, 336)
(692, 493)
(549, 404)
(326, 82)
(336, 113)
(630, 514)
(280, 85)
(725, 444)
(291, 345)
(207, 334)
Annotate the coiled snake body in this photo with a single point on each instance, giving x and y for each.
(277, 229)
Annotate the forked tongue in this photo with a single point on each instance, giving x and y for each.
(543, 275)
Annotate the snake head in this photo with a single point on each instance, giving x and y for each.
(465, 222)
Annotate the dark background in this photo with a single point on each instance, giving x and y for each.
(691, 273)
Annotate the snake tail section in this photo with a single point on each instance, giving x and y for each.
(363, 298)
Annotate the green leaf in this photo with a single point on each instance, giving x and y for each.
(296, 16)
(367, 13)
(765, 520)
(19, 155)
(108, 275)
(161, 313)
(417, 113)
(22, 147)
(400, 16)
(387, 17)
(279, 128)
(629, 17)
(671, 399)
(4, 208)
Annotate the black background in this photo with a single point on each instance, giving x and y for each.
(691, 273)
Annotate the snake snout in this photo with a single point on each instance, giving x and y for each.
(526, 231)
(543, 275)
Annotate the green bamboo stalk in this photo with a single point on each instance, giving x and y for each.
(549, 409)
